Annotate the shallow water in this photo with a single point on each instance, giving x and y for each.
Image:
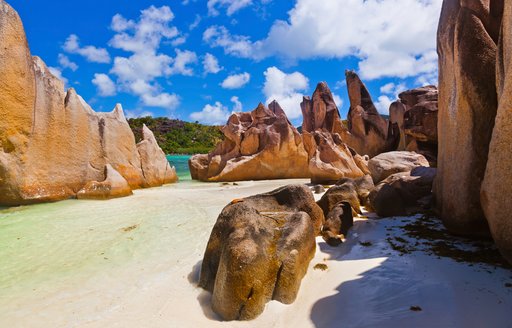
(111, 248)
(180, 162)
(132, 262)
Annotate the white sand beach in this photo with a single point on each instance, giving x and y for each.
(133, 262)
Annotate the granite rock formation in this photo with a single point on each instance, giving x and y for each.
(415, 113)
(467, 46)
(330, 159)
(403, 193)
(259, 250)
(51, 142)
(368, 132)
(258, 145)
(113, 186)
(154, 164)
(353, 191)
(393, 162)
(497, 183)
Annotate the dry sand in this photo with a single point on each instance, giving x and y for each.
(133, 262)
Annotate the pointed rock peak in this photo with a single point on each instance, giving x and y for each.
(262, 111)
(118, 112)
(322, 87)
(276, 108)
(350, 74)
(70, 95)
(358, 94)
(147, 134)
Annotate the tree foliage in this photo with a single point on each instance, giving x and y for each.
(178, 137)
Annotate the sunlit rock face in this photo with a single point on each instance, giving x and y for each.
(258, 145)
(259, 250)
(330, 158)
(51, 142)
(368, 132)
(467, 45)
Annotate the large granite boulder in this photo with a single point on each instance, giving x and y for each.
(330, 159)
(368, 132)
(353, 191)
(51, 142)
(114, 186)
(386, 164)
(420, 120)
(401, 193)
(467, 36)
(154, 164)
(259, 250)
(497, 184)
(258, 145)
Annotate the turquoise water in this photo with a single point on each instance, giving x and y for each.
(180, 162)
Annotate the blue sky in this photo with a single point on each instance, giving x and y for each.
(202, 59)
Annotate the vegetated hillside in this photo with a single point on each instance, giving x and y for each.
(178, 137)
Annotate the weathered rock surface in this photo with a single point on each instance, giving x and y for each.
(420, 121)
(400, 193)
(330, 159)
(386, 164)
(51, 142)
(337, 224)
(259, 250)
(258, 145)
(396, 115)
(353, 191)
(114, 186)
(368, 132)
(467, 36)
(155, 167)
(497, 184)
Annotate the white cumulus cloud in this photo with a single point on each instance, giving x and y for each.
(211, 64)
(139, 73)
(286, 89)
(232, 6)
(91, 53)
(65, 62)
(215, 114)
(104, 84)
(236, 81)
(385, 40)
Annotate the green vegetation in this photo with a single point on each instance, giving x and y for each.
(179, 137)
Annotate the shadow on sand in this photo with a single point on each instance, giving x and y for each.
(409, 290)
(205, 297)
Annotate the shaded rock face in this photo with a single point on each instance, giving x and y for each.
(337, 224)
(467, 37)
(416, 116)
(330, 159)
(403, 193)
(386, 164)
(51, 142)
(114, 186)
(259, 250)
(497, 184)
(368, 132)
(258, 145)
